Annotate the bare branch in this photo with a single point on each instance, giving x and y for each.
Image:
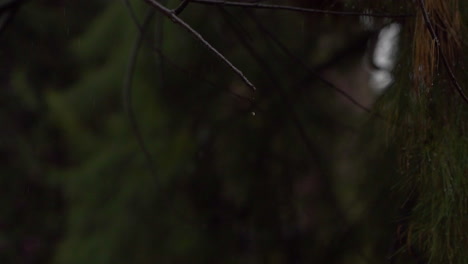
(297, 9)
(132, 13)
(181, 7)
(306, 67)
(170, 14)
(310, 146)
(127, 89)
(200, 77)
(127, 99)
(431, 29)
(163, 58)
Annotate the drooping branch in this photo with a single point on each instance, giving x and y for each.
(286, 51)
(163, 58)
(293, 115)
(445, 62)
(127, 90)
(171, 14)
(132, 14)
(297, 9)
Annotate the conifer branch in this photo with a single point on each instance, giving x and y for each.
(431, 29)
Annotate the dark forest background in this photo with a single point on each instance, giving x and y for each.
(177, 160)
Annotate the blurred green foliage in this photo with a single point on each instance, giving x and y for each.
(296, 175)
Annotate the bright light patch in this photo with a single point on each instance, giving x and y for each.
(384, 57)
(380, 79)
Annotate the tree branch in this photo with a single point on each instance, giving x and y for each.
(294, 117)
(286, 51)
(181, 7)
(133, 16)
(296, 9)
(164, 58)
(170, 14)
(127, 90)
(431, 29)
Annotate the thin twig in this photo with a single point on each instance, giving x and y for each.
(431, 29)
(306, 67)
(127, 90)
(292, 113)
(200, 77)
(170, 14)
(181, 7)
(297, 9)
(127, 101)
(132, 13)
(163, 58)
(158, 44)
